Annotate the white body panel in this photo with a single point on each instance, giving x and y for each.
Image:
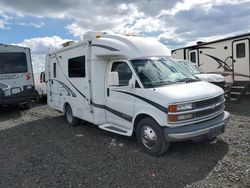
(110, 107)
(211, 77)
(40, 85)
(16, 75)
(229, 57)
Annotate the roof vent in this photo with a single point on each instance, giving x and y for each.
(67, 43)
(199, 42)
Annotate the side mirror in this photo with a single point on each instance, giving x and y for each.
(113, 79)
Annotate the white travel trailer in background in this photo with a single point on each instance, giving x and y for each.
(40, 86)
(16, 76)
(126, 85)
(229, 57)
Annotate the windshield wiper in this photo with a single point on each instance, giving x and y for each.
(188, 80)
(159, 83)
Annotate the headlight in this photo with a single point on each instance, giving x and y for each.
(174, 118)
(180, 107)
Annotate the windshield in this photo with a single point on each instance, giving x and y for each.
(191, 67)
(156, 72)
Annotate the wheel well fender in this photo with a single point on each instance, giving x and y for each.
(151, 114)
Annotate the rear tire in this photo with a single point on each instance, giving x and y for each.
(151, 138)
(72, 121)
(27, 105)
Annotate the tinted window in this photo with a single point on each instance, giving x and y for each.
(193, 57)
(42, 77)
(13, 62)
(54, 70)
(76, 67)
(124, 72)
(240, 50)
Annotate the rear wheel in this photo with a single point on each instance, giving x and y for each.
(72, 121)
(27, 105)
(150, 137)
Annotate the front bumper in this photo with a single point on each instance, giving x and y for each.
(208, 129)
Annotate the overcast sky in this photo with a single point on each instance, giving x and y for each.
(46, 24)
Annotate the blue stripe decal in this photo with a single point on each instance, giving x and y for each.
(119, 114)
(156, 105)
(105, 47)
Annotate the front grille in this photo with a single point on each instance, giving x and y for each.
(209, 111)
(209, 107)
(205, 103)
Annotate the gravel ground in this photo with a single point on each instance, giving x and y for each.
(38, 149)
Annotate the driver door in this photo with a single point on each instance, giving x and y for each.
(119, 99)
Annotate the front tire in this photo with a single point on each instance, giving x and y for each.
(150, 137)
(72, 121)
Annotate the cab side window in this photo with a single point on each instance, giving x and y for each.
(124, 72)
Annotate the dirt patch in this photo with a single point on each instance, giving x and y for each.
(38, 149)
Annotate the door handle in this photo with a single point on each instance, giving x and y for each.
(107, 92)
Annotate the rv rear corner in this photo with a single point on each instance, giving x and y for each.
(16, 76)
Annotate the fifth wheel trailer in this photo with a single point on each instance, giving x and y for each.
(126, 84)
(228, 56)
(16, 76)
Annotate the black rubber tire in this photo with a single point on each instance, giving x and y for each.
(161, 145)
(72, 121)
(27, 105)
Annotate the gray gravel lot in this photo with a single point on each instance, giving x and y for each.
(38, 149)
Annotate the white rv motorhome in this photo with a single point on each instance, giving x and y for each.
(229, 57)
(126, 85)
(40, 86)
(16, 76)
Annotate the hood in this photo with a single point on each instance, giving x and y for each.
(184, 92)
(211, 77)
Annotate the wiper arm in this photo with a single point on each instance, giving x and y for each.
(188, 80)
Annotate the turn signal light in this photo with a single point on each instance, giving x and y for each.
(172, 108)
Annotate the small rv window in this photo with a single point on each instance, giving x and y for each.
(240, 50)
(42, 77)
(13, 62)
(54, 70)
(76, 67)
(193, 57)
(124, 72)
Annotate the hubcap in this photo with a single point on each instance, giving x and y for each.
(148, 137)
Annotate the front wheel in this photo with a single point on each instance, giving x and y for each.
(72, 121)
(150, 137)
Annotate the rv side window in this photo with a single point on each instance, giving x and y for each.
(240, 50)
(76, 67)
(42, 78)
(124, 72)
(13, 62)
(193, 57)
(54, 70)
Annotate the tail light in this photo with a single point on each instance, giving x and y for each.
(27, 76)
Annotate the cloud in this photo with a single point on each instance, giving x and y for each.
(39, 47)
(36, 25)
(175, 23)
(4, 20)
